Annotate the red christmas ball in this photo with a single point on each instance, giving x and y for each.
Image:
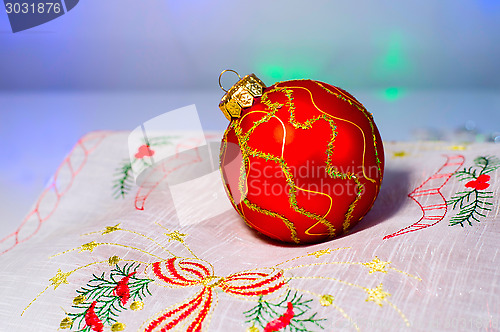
(302, 161)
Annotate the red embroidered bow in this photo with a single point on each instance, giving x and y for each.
(480, 183)
(185, 272)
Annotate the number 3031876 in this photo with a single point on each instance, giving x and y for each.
(40, 8)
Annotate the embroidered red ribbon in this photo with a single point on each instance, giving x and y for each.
(185, 272)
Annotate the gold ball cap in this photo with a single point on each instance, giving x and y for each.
(240, 95)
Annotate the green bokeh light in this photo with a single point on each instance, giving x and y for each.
(273, 71)
(277, 72)
(392, 94)
(281, 66)
(393, 64)
(394, 59)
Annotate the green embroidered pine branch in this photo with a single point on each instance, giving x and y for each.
(265, 312)
(488, 164)
(159, 140)
(101, 290)
(473, 204)
(123, 182)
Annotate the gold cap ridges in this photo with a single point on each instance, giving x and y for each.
(240, 95)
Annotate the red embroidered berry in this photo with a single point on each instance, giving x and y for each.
(282, 321)
(122, 290)
(480, 183)
(92, 320)
(144, 151)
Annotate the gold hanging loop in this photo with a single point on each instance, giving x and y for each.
(226, 70)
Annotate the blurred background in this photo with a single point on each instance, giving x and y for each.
(427, 70)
